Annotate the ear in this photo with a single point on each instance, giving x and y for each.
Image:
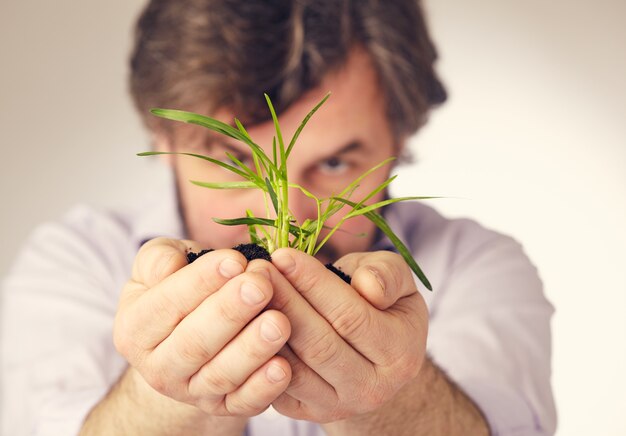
(402, 150)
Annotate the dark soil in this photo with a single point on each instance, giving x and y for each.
(191, 256)
(342, 275)
(253, 251)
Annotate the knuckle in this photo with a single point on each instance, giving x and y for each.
(307, 281)
(253, 350)
(125, 342)
(322, 350)
(216, 381)
(121, 340)
(156, 378)
(156, 259)
(300, 377)
(350, 319)
(232, 314)
(242, 406)
(190, 348)
(212, 405)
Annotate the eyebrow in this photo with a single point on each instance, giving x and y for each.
(233, 149)
(351, 146)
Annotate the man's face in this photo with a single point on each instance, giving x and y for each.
(347, 136)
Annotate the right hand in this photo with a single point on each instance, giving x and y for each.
(196, 332)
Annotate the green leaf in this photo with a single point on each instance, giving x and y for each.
(225, 185)
(294, 230)
(272, 195)
(199, 156)
(242, 129)
(352, 186)
(361, 209)
(304, 122)
(380, 222)
(378, 189)
(215, 125)
(201, 120)
(304, 191)
(251, 174)
(274, 149)
(279, 135)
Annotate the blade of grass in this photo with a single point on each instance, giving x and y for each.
(272, 193)
(380, 222)
(378, 189)
(279, 135)
(199, 156)
(361, 209)
(226, 185)
(245, 168)
(304, 122)
(294, 230)
(212, 124)
(352, 186)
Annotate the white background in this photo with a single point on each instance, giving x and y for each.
(533, 140)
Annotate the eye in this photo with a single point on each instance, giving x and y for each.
(245, 159)
(334, 165)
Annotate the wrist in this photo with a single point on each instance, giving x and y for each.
(134, 407)
(430, 404)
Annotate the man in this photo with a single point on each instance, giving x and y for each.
(207, 347)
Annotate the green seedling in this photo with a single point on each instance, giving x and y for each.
(270, 175)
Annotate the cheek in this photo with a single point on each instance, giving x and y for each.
(356, 236)
(201, 205)
(358, 233)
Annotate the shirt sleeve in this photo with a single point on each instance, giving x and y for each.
(490, 332)
(58, 305)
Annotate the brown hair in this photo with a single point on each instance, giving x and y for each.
(216, 54)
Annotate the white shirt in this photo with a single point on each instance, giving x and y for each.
(489, 319)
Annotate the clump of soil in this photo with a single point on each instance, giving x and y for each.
(342, 275)
(254, 251)
(192, 257)
(250, 251)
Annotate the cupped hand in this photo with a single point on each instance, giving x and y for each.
(198, 334)
(352, 347)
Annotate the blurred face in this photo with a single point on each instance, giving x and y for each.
(346, 137)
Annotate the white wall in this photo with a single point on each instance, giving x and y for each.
(533, 139)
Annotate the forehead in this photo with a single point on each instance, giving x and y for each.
(355, 112)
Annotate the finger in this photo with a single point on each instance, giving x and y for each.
(159, 258)
(349, 314)
(305, 385)
(260, 390)
(313, 339)
(381, 277)
(252, 348)
(213, 324)
(156, 259)
(153, 317)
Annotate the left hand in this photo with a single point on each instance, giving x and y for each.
(352, 347)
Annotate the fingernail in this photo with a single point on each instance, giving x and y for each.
(250, 294)
(275, 373)
(270, 332)
(378, 278)
(284, 262)
(230, 268)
